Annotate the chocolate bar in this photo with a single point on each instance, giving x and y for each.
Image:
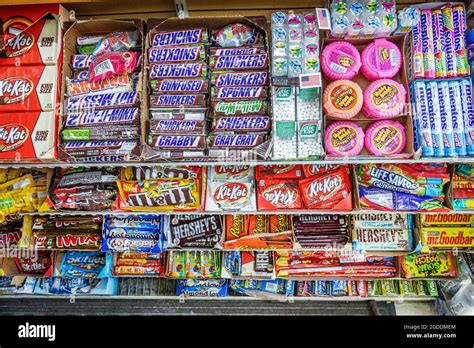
(81, 61)
(189, 154)
(123, 132)
(241, 62)
(177, 141)
(236, 51)
(179, 85)
(203, 231)
(103, 117)
(239, 93)
(190, 70)
(97, 148)
(382, 239)
(102, 101)
(176, 114)
(100, 159)
(87, 241)
(85, 178)
(114, 84)
(81, 75)
(136, 244)
(147, 221)
(180, 37)
(247, 78)
(240, 141)
(247, 107)
(131, 233)
(178, 100)
(177, 54)
(241, 123)
(177, 126)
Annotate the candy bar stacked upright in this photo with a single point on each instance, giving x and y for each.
(178, 89)
(102, 114)
(239, 92)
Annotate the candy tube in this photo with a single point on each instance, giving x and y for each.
(449, 41)
(460, 52)
(418, 69)
(468, 112)
(438, 44)
(421, 119)
(435, 119)
(427, 44)
(446, 119)
(457, 117)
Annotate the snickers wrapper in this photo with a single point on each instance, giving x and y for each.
(177, 142)
(177, 126)
(179, 86)
(180, 37)
(236, 141)
(178, 100)
(81, 61)
(177, 54)
(239, 62)
(239, 79)
(98, 148)
(102, 101)
(241, 123)
(239, 93)
(111, 117)
(172, 70)
(237, 51)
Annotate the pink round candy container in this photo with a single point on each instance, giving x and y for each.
(342, 99)
(380, 60)
(385, 137)
(384, 98)
(344, 138)
(340, 61)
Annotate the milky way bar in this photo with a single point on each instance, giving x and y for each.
(177, 54)
(241, 123)
(99, 101)
(81, 61)
(111, 132)
(177, 141)
(179, 85)
(184, 100)
(177, 126)
(180, 37)
(98, 148)
(237, 51)
(103, 117)
(240, 141)
(239, 93)
(247, 78)
(186, 70)
(249, 61)
(177, 114)
(247, 107)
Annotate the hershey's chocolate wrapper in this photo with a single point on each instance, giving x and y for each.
(202, 231)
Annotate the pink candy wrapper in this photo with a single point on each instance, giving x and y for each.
(384, 98)
(107, 64)
(381, 59)
(340, 61)
(385, 137)
(344, 138)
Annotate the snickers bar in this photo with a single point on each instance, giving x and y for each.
(177, 54)
(190, 70)
(103, 117)
(81, 61)
(180, 37)
(247, 107)
(190, 154)
(177, 141)
(179, 85)
(247, 78)
(177, 126)
(249, 61)
(98, 148)
(176, 114)
(239, 93)
(237, 51)
(184, 100)
(113, 132)
(241, 123)
(102, 101)
(100, 159)
(240, 141)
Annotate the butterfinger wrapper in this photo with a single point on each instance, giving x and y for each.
(239, 93)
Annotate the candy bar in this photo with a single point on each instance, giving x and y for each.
(81, 61)
(237, 51)
(165, 171)
(116, 42)
(190, 70)
(97, 148)
(114, 84)
(177, 54)
(85, 49)
(278, 194)
(250, 61)
(177, 114)
(203, 231)
(176, 153)
(68, 241)
(102, 101)
(231, 195)
(235, 226)
(284, 171)
(88, 177)
(126, 244)
(120, 116)
(180, 37)
(123, 132)
(177, 126)
(9, 238)
(231, 172)
(37, 265)
(447, 219)
(396, 221)
(245, 78)
(141, 221)
(448, 237)
(238, 141)
(130, 233)
(178, 100)
(241, 123)
(382, 239)
(432, 265)
(179, 86)
(81, 75)
(248, 107)
(177, 141)
(239, 93)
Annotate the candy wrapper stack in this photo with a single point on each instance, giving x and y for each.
(363, 18)
(462, 195)
(428, 265)
(178, 88)
(239, 93)
(296, 111)
(67, 233)
(402, 187)
(321, 231)
(102, 108)
(194, 231)
(248, 264)
(10, 233)
(193, 264)
(77, 264)
(138, 264)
